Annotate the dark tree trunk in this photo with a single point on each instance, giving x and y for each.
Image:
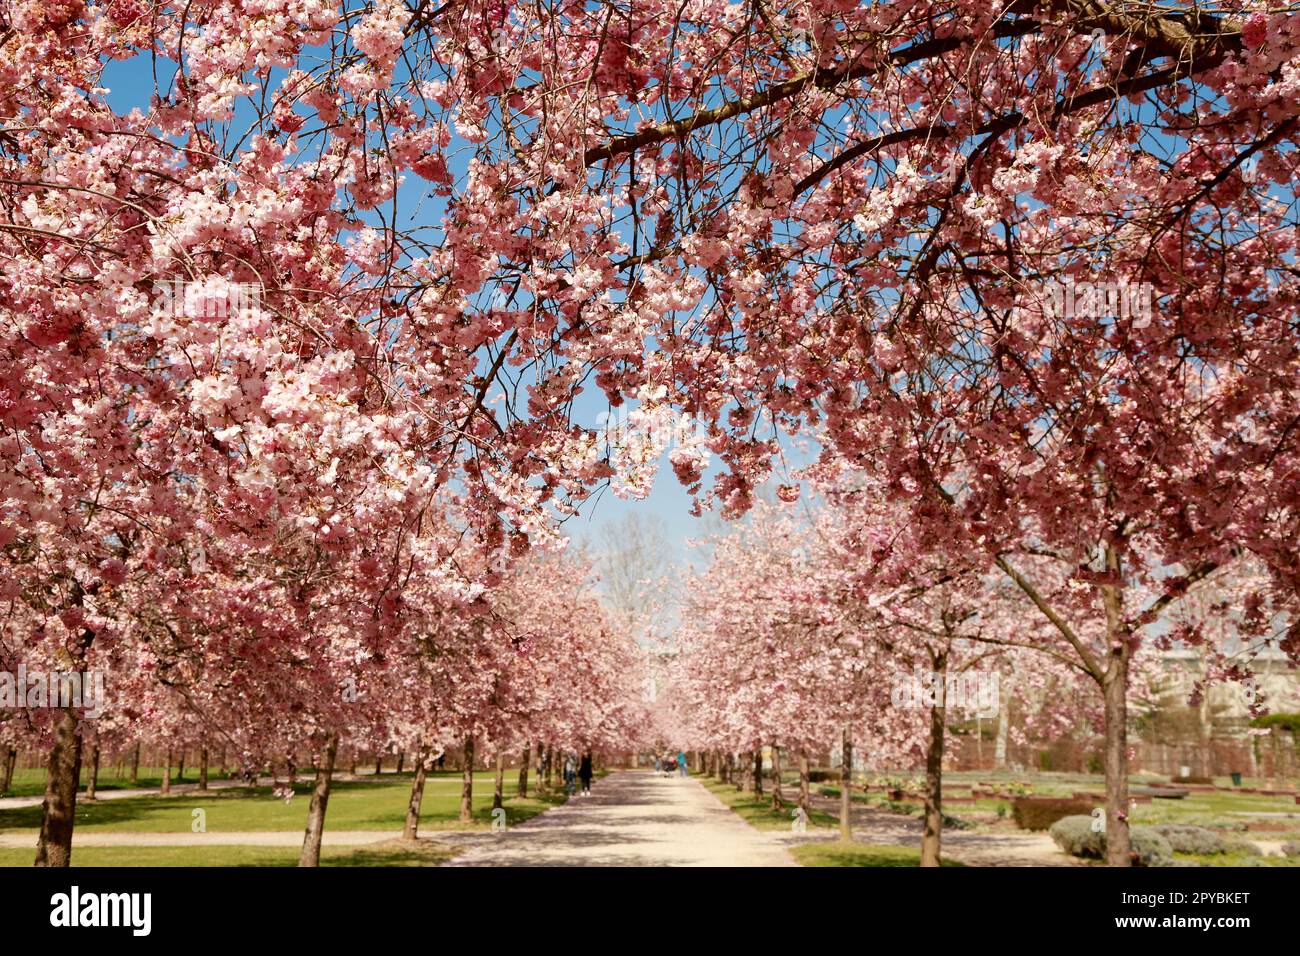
(758, 773)
(203, 768)
(401, 760)
(778, 801)
(180, 767)
(933, 832)
(550, 767)
(379, 765)
(411, 830)
(846, 783)
(135, 765)
(167, 774)
(59, 811)
(467, 783)
(7, 777)
(320, 798)
(500, 783)
(523, 772)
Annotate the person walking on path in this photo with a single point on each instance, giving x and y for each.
(569, 774)
(584, 772)
(681, 763)
(659, 765)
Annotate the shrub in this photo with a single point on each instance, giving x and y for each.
(1149, 847)
(1040, 814)
(1184, 838)
(1241, 847)
(1074, 835)
(1291, 848)
(1193, 779)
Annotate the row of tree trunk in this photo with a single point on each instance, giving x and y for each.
(723, 767)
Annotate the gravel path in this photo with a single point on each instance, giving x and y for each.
(632, 818)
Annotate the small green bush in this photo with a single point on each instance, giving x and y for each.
(1074, 835)
(1187, 838)
(1184, 838)
(1040, 814)
(1239, 846)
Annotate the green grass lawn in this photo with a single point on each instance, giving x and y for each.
(366, 804)
(387, 853)
(759, 812)
(842, 853)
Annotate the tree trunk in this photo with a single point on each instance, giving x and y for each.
(467, 783)
(805, 797)
(59, 811)
(180, 767)
(401, 760)
(203, 768)
(846, 780)
(379, 765)
(934, 767)
(523, 772)
(499, 786)
(92, 780)
(320, 798)
(550, 767)
(167, 774)
(1004, 726)
(1116, 761)
(135, 765)
(778, 802)
(758, 772)
(1115, 691)
(411, 830)
(11, 761)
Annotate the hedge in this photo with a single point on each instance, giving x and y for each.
(1037, 813)
(1076, 837)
